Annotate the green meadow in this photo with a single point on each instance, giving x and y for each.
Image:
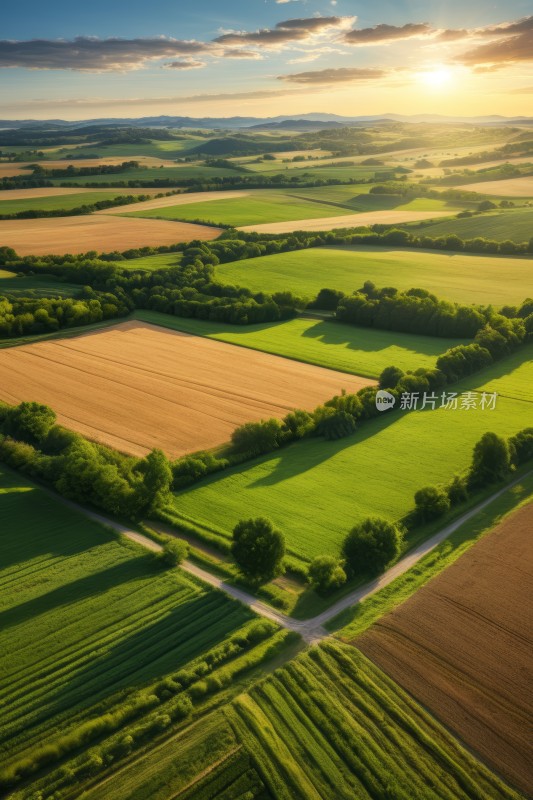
(359, 351)
(515, 224)
(250, 210)
(63, 201)
(459, 277)
(36, 286)
(315, 490)
(176, 174)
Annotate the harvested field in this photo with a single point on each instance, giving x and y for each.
(461, 645)
(137, 386)
(512, 187)
(8, 170)
(103, 233)
(176, 200)
(345, 221)
(58, 191)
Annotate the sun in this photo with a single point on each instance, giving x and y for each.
(436, 78)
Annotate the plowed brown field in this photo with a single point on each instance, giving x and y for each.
(462, 646)
(137, 386)
(59, 235)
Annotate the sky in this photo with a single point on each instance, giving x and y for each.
(222, 58)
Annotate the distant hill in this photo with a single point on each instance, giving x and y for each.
(301, 121)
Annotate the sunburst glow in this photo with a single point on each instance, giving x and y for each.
(437, 78)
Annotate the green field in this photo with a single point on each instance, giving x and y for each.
(515, 224)
(377, 470)
(277, 207)
(164, 149)
(459, 277)
(266, 207)
(359, 351)
(332, 725)
(94, 635)
(175, 174)
(150, 263)
(36, 286)
(203, 763)
(64, 201)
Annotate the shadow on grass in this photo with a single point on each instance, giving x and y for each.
(72, 592)
(303, 456)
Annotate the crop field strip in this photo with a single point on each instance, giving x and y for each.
(459, 277)
(86, 620)
(331, 344)
(79, 234)
(152, 387)
(417, 448)
(324, 223)
(511, 187)
(479, 692)
(59, 201)
(515, 224)
(330, 724)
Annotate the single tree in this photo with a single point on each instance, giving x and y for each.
(371, 545)
(431, 502)
(521, 446)
(491, 460)
(389, 377)
(173, 553)
(258, 548)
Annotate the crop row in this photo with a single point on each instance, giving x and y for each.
(331, 724)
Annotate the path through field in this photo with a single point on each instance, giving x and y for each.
(311, 630)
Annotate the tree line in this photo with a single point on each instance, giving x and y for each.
(83, 471)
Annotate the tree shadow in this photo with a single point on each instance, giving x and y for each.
(39, 539)
(74, 591)
(374, 340)
(303, 456)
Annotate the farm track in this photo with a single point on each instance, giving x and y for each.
(311, 630)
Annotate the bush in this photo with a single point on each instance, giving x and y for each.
(258, 549)
(173, 553)
(371, 545)
(256, 438)
(491, 460)
(326, 574)
(333, 424)
(327, 300)
(458, 490)
(521, 447)
(390, 377)
(431, 503)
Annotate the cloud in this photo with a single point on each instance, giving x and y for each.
(290, 30)
(91, 54)
(251, 54)
(177, 100)
(190, 64)
(341, 75)
(511, 43)
(387, 33)
(452, 35)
